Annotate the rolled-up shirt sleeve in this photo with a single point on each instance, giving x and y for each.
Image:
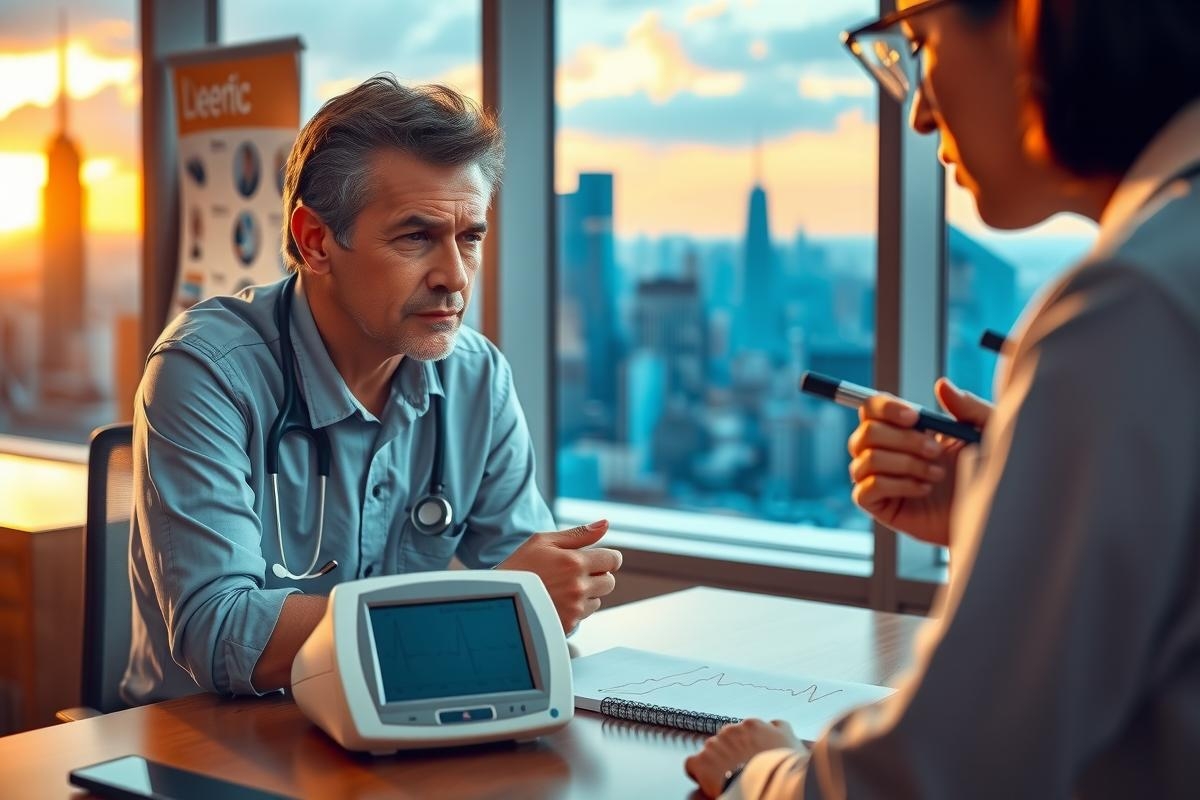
(1071, 545)
(196, 512)
(508, 506)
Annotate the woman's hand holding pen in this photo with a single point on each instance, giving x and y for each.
(905, 478)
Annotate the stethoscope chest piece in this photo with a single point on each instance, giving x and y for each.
(432, 515)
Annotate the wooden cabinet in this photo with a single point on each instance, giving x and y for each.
(42, 513)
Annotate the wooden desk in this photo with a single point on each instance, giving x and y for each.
(43, 506)
(267, 743)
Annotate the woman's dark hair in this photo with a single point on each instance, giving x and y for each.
(1104, 76)
(1107, 75)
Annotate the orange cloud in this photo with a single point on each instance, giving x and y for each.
(31, 78)
(823, 181)
(706, 11)
(651, 61)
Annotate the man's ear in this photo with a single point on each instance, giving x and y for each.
(313, 237)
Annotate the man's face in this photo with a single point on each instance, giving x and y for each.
(414, 250)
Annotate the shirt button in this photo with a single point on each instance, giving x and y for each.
(377, 492)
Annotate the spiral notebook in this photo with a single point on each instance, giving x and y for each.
(702, 696)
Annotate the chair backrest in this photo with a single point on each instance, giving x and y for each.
(106, 594)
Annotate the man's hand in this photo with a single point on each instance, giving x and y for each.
(576, 578)
(732, 747)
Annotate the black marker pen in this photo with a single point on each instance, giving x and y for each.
(852, 395)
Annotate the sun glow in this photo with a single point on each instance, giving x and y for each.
(24, 174)
(29, 79)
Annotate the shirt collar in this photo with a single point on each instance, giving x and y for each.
(1174, 148)
(326, 394)
(413, 383)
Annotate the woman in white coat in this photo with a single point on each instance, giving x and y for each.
(1064, 660)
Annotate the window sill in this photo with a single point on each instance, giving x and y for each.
(934, 573)
(726, 539)
(44, 449)
(736, 553)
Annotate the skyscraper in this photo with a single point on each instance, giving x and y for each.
(589, 290)
(668, 320)
(62, 239)
(757, 317)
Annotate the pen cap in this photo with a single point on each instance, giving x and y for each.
(820, 385)
(993, 341)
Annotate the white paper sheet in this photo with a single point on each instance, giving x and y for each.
(809, 703)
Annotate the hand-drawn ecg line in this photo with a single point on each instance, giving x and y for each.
(690, 678)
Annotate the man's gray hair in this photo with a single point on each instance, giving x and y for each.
(328, 169)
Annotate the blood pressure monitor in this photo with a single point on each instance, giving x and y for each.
(436, 659)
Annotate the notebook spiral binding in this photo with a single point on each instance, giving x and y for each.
(662, 715)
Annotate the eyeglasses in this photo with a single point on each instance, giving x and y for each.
(887, 54)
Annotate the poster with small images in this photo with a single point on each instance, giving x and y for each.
(237, 112)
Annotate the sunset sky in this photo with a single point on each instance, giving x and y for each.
(104, 87)
(671, 100)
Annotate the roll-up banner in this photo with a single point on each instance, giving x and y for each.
(237, 112)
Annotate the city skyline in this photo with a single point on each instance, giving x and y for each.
(672, 102)
(678, 358)
(694, 111)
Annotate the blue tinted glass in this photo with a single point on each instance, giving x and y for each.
(447, 649)
(991, 276)
(716, 238)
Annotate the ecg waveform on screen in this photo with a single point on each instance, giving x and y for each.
(697, 676)
(460, 644)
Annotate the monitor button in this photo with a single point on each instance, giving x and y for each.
(466, 715)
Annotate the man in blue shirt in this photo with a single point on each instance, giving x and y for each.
(385, 205)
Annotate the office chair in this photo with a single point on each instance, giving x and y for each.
(106, 594)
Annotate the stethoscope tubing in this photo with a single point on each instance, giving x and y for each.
(288, 420)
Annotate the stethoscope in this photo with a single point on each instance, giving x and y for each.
(430, 515)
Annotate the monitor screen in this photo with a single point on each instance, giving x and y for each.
(460, 647)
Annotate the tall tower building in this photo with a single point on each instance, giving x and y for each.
(589, 289)
(62, 236)
(757, 312)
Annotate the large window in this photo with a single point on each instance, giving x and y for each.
(717, 186)
(70, 216)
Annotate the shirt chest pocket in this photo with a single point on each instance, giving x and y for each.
(435, 550)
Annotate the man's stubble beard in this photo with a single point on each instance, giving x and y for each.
(434, 347)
